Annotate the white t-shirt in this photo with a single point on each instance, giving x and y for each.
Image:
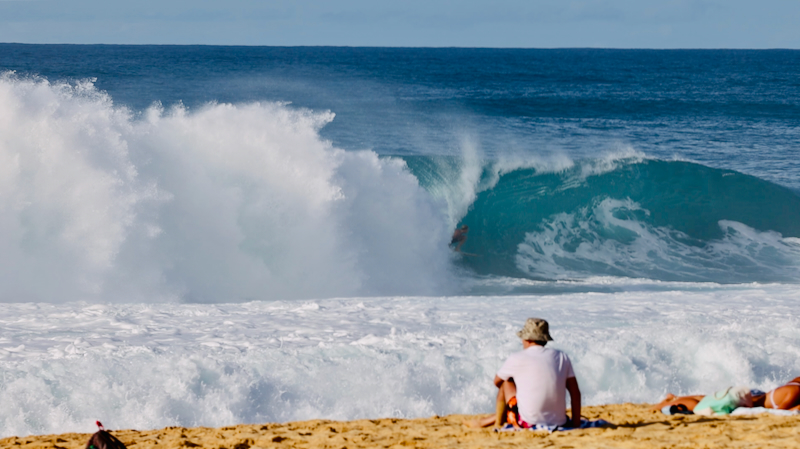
(541, 377)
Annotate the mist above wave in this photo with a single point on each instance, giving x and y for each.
(223, 203)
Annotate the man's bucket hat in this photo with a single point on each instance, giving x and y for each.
(535, 329)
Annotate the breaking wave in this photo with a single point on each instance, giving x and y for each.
(225, 203)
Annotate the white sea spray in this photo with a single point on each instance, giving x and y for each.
(223, 203)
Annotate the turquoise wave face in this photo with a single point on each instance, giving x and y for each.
(663, 220)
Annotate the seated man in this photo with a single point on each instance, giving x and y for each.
(533, 384)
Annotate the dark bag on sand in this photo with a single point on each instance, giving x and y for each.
(104, 440)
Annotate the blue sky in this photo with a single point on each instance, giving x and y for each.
(411, 23)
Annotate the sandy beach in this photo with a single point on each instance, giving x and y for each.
(635, 426)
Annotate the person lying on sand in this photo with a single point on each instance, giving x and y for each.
(718, 403)
(785, 397)
(532, 384)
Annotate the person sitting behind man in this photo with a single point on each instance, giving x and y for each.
(533, 384)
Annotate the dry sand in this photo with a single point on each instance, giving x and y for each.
(635, 427)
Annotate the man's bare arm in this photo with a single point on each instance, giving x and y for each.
(498, 381)
(575, 399)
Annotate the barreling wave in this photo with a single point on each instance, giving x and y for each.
(631, 217)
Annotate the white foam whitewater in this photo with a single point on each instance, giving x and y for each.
(223, 203)
(149, 366)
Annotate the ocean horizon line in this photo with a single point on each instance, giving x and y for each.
(454, 47)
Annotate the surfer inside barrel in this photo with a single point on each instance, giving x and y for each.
(459, 237)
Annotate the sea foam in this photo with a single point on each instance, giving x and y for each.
(149, 365)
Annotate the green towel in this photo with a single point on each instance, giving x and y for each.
(722, 402)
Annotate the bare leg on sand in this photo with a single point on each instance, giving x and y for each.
(506, 391)
(689, 401)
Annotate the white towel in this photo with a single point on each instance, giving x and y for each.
(757, 410)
